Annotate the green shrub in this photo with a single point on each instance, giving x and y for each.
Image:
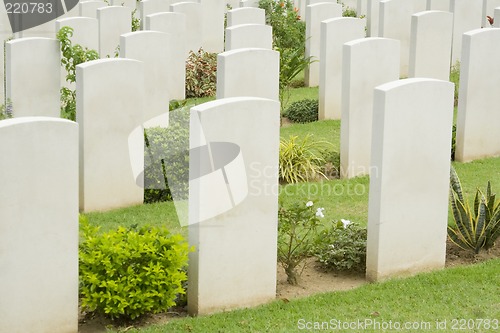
(303, 111)
(348, 11)
(167, 150)
(475, 228)
(342, 247)
(297, 229)
(126, 273)
(289, 38)
(72, 55)
(201, 74)
(453, 142)
(301, 160)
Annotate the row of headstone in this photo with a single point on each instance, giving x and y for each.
(246, 28)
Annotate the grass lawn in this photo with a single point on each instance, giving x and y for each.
(421, 301)
(458, 293)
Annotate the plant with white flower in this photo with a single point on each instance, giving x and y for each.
(319, 212)
(297, 231)
(345, 223)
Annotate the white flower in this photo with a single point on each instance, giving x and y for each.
(319, 212)
(309, 204)
(345, 222)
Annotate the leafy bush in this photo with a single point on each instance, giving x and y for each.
(297, 229)
(167, 149)
(476, 228)
(348, 11)
(72, 55)
(303, 111)
(289, 38)
(342, 247)
(201, 74)
(453, 142)
(301, 160)
(126, 273)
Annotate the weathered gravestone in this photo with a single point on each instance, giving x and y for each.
(249, 36)
(233, 214)
(110, 106)
(360, 75)
(248, 73)
(334, 33)
(430, 45)
(174, 24)
(39, 223)
(33, 82)
(478, 99)
(408, 200)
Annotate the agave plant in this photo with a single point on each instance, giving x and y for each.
(478, 227)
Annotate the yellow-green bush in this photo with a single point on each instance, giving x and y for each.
(126, 273)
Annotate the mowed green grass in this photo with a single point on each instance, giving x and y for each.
(465, 293)
(449, 297)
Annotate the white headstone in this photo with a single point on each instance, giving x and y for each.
(372, 18)
(175, 25)
(249, 36)
(496, 23)
(151, 47)
(33, 82)
(334, 33)
(248, 73)
(132, 4)
(466, 17)
(395, 22)
(478, 115)
(85, 34)
(213, 25)
(360, 75)
(247, 15)
(194, 25)
(249, 3)
(430, 45)
(113, 22)
(89, 8)
(443, 5)
(408, 200)
(361, 8)
(489, 10)
(110, 106)
(148, 7)
(85, 31)
(223, 273)
(314, 15)
(39, 223)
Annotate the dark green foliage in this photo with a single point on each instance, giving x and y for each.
(126, 273)
(304, 111)
(201, 74)
(478, 227)
(72, 55)
(167, 159)
(342, 247)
